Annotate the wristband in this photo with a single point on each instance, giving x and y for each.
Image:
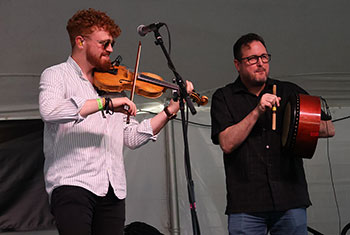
(168, 114)
(108, 106)
(99, 103)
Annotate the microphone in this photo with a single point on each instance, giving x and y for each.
(143, 30)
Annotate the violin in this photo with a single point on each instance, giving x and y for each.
(149, 85)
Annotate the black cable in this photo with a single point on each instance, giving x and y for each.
(333, 185)
(328, 115)
(178, 119)
(169, 39)
(340, 119)
(209, 125)
(313, 231)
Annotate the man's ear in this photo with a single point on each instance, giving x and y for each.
(79, 41)
(237, 63)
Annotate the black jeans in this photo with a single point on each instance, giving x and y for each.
(78, 211)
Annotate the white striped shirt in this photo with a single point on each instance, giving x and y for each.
(85, 152)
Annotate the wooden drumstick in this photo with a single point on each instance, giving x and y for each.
(274, 108)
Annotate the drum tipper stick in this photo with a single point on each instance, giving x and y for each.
(274, 108)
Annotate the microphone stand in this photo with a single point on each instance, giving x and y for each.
(183, 96)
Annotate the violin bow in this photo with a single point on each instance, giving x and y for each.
(133, 87)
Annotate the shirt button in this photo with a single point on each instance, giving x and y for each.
(267, 146)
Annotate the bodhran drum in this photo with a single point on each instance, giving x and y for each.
(301, 125)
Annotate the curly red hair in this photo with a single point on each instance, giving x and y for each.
(85, 22)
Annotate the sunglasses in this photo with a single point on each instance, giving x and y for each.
(104, 43)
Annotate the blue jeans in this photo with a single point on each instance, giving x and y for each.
(282, 223)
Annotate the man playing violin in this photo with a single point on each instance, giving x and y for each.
(266, 190)
(84, 168)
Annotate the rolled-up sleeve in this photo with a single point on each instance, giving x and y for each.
(54, 106)
(137, 134)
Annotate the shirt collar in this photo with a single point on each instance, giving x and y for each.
(240, 87)
(75, 66)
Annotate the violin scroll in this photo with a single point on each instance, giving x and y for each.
(200, 100)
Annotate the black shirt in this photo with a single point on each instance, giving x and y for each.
(259, 177)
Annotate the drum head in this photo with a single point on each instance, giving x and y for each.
(290, 123)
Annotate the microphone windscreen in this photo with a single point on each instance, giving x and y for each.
(140, 30)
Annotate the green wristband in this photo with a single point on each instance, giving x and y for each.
(99, 103)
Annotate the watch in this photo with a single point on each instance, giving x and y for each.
(168, 114)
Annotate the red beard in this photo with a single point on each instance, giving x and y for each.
(104, 66)
(100, 63)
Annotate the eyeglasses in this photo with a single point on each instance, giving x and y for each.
(104, 43)
(265, 58)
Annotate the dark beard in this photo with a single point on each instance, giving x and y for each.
(258, 83)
